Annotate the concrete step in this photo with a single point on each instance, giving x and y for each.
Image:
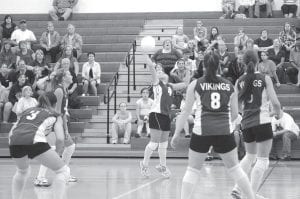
(111, 147)
(163, 22)
(289, 99)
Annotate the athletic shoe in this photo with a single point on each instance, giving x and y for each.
(257, 196)
(209, 158)
(144, 170)
(165, 172)
(72, 179)
(236, 194)
(41, 182)
(187, 136)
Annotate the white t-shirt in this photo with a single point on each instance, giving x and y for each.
(20, 35)
(24, 104)
(145, 107)
(287, 123)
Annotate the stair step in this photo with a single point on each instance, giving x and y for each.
(114, 147)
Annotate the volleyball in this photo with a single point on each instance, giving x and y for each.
(148, 44)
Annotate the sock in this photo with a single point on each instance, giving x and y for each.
(241, 180)
(59, 183)
(67, 154)
(151, 146)
(258, 171)
(162, 152)
(19, 181)
(189, 181)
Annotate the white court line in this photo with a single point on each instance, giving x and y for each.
(136, 189)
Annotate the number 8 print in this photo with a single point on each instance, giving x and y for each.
(215, 100)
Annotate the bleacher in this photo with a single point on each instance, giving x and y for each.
(111, 36)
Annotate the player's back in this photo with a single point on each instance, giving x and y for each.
(256, 108)
(213, 116)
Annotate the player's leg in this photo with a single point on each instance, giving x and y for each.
(162, 152)
(20, 177)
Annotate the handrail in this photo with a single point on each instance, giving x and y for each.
(130, 59)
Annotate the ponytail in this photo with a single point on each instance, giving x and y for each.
(47, 100)
(211, 64)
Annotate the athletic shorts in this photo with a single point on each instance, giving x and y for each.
(159, 121)
(20, 151)
(220, 143)
(258, 133)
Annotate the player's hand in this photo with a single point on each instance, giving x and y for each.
(175, 141)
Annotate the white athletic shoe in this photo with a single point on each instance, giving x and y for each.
(41, 182)
(257, 196)
(144, 170)
(72, 179)
(165, 172)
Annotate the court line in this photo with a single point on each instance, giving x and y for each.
(136, 189)
(263, 182)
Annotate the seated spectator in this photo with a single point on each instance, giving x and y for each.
(91, 73)
(240, 41)
(200, 34)
(23, 34)
(191, 46)
(228, 7)
(74, 40)
(213, 38)
(246, 7)
(8, 27)
(67, 53)
(287, 130)
(25, 102)
(50, 41)
(167, 56)
(179, 40)
(191, 117)
(295, 59)
(277, 55)
(41, 63)
(25, 54)
(189, 63)
(62, 9)
(265, 5)
(143, 107)
(5, 86)
(236, 68)
(287, 37)
(263, 43)
(22, 69)
(7, 56)
(223, 59)
(121, 124)
(268, 67)
(289, 8)
(14, 95)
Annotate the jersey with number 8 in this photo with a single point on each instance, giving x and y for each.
(213, 115)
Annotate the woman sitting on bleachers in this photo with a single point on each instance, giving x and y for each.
(74, 40)
(25, 102)
(5, 86)
(91, 73)
(277, 55)
(295, 59)
(7, 56)
(192, 46)
(25, 54)
(240, 41)
(180, 40)
(213, 38)
(200, 34)
(40, 62)
(287, 37)
(67, 53)
(8, 26)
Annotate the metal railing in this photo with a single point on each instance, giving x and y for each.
(130, 59)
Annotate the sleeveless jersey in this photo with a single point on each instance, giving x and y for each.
(162, 99)
(213, 116)
(32, 126)
(256, 110)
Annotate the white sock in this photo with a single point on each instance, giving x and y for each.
(151, 146)
(189, 181)
(67, 154)
(18, 183)
(42, 172)
(162, 152)
(258, 171)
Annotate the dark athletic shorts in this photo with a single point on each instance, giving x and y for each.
(159, 121)
(258, 133)
(19, 151)
(220, 143)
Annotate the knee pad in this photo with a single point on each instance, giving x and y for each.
(251, 158)
(191, 176)
(64, 171)
(163, 145)
(24, 172)
(262, 163)
(152, 146)
(237, 173)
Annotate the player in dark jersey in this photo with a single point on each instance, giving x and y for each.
(217, 110)
(27, 140)
(255, 92)
(159, 119)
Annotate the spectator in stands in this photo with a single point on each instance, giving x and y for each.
(5, 86)
(50, 41)
(223, 59)
(23, 34)
(287, 130)
(295, 59)
(25, 102)
(228, 7)
(200, 34)
(236, 68)
(250, 45)
(213, 38)
(62, 9)
(287, 37)
(289, 8)
(14, 95)
(191, 46)
(25, 54)
(121, 124)
(268, 67)
(143, 107)
(246, 7)
(167, 56)
(240, 41)
(41, 63)
(74, 65)
(263, 5)
(72, 39)
(8, 27)
(91, 73)
(7, 56)
(179, 40)
(263, 43)
(189, 63)
(277, 55)
(22, 69)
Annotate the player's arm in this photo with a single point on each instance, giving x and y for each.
(273, 97)
(59, 133)
(239, 103)
(152, 70)
(59, 96)
(234, 107)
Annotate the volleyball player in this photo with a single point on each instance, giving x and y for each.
(159, 120)
(217, 109)
(27, 140)
(255, 92)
